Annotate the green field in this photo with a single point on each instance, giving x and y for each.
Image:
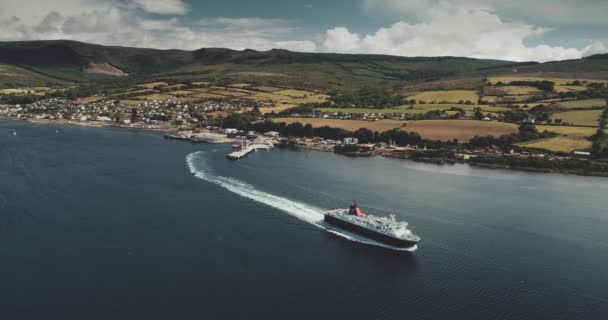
(373, 111)
(560, 89)
(289, 97)
(130, 102)
(28, 90)
(557, 81)
(569, 131)
(350, 125)
(558, 144)
(453, 96)
(418, 109)
(151, 85)
(156, 96)
(445, 130)
(575, 104)
(570, 139)
(579, 117)
(511, 90)
(277, 108)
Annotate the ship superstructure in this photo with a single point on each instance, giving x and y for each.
(386, 230)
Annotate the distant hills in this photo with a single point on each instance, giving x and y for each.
(62, 61)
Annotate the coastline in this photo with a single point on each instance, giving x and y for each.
(91, 124)
(170, 133)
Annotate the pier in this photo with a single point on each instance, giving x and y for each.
(247, 150)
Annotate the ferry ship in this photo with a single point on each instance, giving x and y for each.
(385, 230)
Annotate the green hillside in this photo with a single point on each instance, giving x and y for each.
(61, 61)
(75, 61)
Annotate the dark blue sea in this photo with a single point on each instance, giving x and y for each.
(120, 224)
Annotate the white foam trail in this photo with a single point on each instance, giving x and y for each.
(293, 208)
(305, 212)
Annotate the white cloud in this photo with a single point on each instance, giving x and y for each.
(300, 46)
(117, 26)
(259, 26)
(32, 11)
(456, 32)
(341, 40)
(95, 22)
(177, 7)
(471, 31)
(563, 12)
(158, 25)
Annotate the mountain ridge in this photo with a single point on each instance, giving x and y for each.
(73, 61)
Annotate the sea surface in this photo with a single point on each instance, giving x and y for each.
(120, 224)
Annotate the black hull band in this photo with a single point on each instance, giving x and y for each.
(371, 234)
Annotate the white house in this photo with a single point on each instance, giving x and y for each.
(271, 134)
(230, 131)
(103, 118)
(351, 140)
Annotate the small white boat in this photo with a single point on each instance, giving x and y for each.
(14, 132)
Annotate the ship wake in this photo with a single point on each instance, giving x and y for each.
(310, 214)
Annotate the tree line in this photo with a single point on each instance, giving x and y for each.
(599, 148)
(527, 132)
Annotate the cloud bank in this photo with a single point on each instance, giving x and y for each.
(460, 32)
(163, 6)
(472, 29)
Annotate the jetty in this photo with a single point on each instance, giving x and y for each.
(245, 150)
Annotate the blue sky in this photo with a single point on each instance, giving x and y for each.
(540, 30)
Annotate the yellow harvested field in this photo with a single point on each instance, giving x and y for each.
(350, 125)
(156, 96)
(132, 92)
(290, 97)
(310, 99)
(453, 96)
(200, 83)
(519, 90)
(587, 103)
(228, 93)
(243, 91)
(463, 130)
(294, 93)
(182, 92)
(203, 95)
(200, 89)
(266, 88)
(268, 97)
(558, 144)
(560, 89)
(569, 131)
(240, 85)
(581, 118)
(16, 91)
(491, 99)
(152, 85)
(278, 108)
(445, 130)
(130, 102)
(90, 99)
(176, 86)
(35, 90)
(186, 100)
(505, 99)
